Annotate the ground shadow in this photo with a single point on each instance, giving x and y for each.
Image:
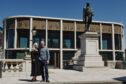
(27, 80)
(121, 79)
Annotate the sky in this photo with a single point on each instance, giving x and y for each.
(104, 10)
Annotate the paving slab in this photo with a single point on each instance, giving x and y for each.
(57, 76)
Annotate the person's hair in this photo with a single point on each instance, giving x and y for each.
(42, 42)
(35, 44)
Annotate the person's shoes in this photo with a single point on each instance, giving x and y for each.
(34, 80)
(47, 81)
(42, 81)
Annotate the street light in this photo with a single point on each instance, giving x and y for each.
(34, 31)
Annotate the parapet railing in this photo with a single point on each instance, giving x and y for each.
(12, 65)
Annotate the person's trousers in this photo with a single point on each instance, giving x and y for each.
(44, 70)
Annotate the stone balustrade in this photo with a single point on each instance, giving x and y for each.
(76, 56)
(116, 64)
(68, 64)
(13, 65)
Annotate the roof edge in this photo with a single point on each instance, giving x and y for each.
(70, 19)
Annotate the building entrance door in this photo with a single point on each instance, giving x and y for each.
(54, 59)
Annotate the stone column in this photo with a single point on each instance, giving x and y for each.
(5, 38)
(61, 44)
(28, 56)
(46, 38)
(15, 34)
(75, 35)
(31, 36)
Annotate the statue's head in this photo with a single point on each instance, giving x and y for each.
(87, 4)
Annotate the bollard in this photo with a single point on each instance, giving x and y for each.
(0, 69)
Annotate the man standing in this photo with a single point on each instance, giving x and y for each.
(44, 59)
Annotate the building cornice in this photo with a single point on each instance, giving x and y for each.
(56, 18)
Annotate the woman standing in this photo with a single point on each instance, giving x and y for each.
(35, 64)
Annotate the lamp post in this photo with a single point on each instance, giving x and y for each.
(34, 31)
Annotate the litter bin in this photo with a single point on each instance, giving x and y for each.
(0, 69)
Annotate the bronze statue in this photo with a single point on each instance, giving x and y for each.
(87, 16)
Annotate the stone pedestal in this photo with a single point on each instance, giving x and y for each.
(28, 66)
(89, 52)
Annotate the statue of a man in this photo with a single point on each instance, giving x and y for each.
(87, 16)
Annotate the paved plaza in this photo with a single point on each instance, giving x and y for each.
(57, 76)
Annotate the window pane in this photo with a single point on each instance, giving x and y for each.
(40, 35)
(107, 55)
(78, 39)
(36, 39)
(23, 42)
(22, 38)
(15, 54)
(118, 42)
(10, 38)
(68, 39)
(67, 43)
(67, 57)
(107, 41)
(55, 43)
(119, 56)
(53, 39)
